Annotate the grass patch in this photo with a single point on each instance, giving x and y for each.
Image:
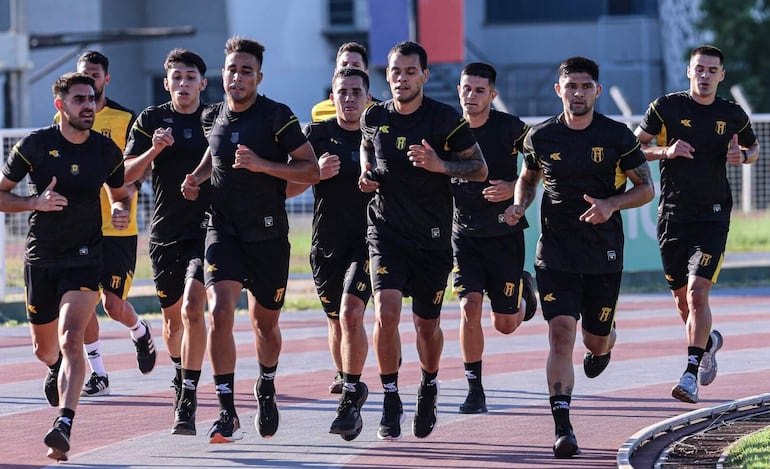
(749, 233)
(750, 452)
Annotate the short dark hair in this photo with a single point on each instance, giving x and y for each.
(185, 57)
(482, 70)
(410, 48)
(707, 49)
(62, 85)
(95, 57)
(351, 72)
(355, 47)
(579, 65)
(242, 44)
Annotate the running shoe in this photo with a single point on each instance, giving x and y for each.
(58, 439)
(528, 293)
(266, 421)
(184, 418)
(565, 446)
(425, 414)
(145, 350)
(348, 422)
(687, 389)
(226, 429)
(96, 386)
(336, 386)
(593, 365)
(475, 402)
(707, 370)
(392, 416)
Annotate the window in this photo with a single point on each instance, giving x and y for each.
(528, 11)
(341, 13)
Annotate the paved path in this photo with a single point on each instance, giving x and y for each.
(130, 428)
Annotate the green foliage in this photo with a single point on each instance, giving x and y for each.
(741, 29)
(751, 452)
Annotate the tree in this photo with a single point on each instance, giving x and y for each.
(741, 28)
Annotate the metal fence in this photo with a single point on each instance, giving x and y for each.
(750, 185)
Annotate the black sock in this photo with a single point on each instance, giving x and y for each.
(66, 416)
(389, 382)
(225, 390)
(709, 343)
(350, 381)
(266, 384)
(190, 380)
(473, 374)
(694, 356)
(429, 378)
(560, 411)
(57, 364)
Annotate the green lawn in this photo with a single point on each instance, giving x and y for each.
(750, 452)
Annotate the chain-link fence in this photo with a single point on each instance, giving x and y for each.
(14, 226)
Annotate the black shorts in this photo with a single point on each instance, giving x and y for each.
(172, 265)
(262, 266)
(419, 273)
(45, 286)
(343, 270)
(491, 265)
(592, 297)
(119, 264)
(691, 249)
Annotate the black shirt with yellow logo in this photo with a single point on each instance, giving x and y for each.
(174, 218)
(500, 139)
(411, 201)
(696, 189)
(249, 205)
(73, 235)
(577, 162)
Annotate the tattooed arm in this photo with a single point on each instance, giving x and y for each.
(470, 164)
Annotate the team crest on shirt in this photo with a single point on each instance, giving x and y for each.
(187, 133)
(234, 137)
(720, 127)
(75, 169)
(400, 143)
(597, 154)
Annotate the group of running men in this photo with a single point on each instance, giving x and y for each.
(404, 190)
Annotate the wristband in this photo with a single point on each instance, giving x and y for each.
(745, 155)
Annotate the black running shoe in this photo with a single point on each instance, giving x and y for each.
(96, 386)
(528, 293)
(348, 422)
(51, 387)
(145, 350)
(566, 446)
(392, 416)
(267, 417)
(58, 439)
(184, 418)
(475, 402)
(226, 429)
(425, 413)
(593, 365)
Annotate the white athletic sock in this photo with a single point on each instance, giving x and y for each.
(95, 358)
(138, 330)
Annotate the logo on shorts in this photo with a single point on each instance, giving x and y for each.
(75, 169)
(720, 128)
(549, 297)
(333, 314)
(32, 309)
(508, 289)
(435, 233)
(400, 143)
(612, 256)
(366, 267)
(211, 268)
(382, 270)
(83, 251)
(361, 286)
(605, 315)
(705, 259)
(669, 278)
(187, 133)
(235, 137)
(597, 154)
(716, 208)
(268, 222)
(279, 294)
(115, 281)
(162, 294)
(324, 300)
(438, 297)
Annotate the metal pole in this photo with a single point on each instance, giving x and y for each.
(747, 193)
